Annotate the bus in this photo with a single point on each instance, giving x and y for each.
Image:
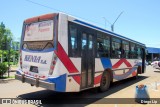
(62, 53)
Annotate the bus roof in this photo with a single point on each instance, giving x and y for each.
(41, 17)
(104, 30)
(76, 20)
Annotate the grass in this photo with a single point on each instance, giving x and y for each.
(11, 63)
(6, 77)
(14, 65)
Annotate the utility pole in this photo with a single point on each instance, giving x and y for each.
(106, 21)
(112, 24)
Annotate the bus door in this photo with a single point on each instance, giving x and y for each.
(88, 60)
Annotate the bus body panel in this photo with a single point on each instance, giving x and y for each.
(121, 68)
(72, 84)
(67, 70)
(63, 32)
(36, 64)
(124, 68)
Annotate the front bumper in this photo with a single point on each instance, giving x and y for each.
(36, 82)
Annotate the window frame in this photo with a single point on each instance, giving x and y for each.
(103, 36)
(120, 42)
(126, 43)
(70, 54)
(139, 55)
(134, 56)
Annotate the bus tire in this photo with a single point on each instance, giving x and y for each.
(105, 81)
(139, 70)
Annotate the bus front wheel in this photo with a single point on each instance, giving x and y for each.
(105, 81)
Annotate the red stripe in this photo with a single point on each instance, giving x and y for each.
(120, 62)
(62, 55)
(77, 78)
(97, 79)
(127, 63)
(134, 73)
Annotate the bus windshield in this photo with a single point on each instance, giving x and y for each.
(39, 31)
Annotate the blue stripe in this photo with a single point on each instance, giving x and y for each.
(60, 82)
(17, 72)
(84, 23)
(39, 51)
(106, 62)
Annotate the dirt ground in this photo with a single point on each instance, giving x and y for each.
(151, 80)
(124, 90)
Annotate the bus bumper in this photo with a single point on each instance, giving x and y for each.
(36, 82)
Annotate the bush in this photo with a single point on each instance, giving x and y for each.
(3, 69)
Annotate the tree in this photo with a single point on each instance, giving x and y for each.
(2, 31)
(1, 60)
(6, 38)
(15, 51)
(3, 69)
(8, 47)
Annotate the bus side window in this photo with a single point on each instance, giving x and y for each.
(135, 52)
(73, 48)
(125, 49)
(103, 45)
(116, 48)
(132, 51)
(139, 52)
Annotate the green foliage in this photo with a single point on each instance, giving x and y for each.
(2, 31)
(6, 44)
(6, 37)
(6, 51)
(3, 69)
(0, 53)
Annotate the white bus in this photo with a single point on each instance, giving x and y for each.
(62, 53)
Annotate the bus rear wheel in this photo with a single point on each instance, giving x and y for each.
(105, 81)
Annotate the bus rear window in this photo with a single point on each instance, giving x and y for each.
(39, 31)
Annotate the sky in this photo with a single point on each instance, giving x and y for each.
(139, 21)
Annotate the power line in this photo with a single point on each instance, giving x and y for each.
(59, 11)
(44, 5)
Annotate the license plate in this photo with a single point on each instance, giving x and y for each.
(34, 69)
